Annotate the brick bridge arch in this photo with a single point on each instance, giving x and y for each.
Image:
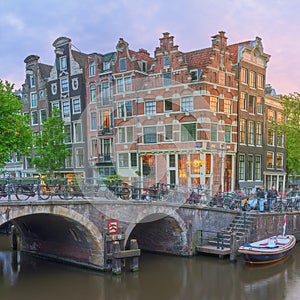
(80, 241)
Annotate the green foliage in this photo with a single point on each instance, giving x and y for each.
(50, 149)
(113, 180)
(15, 132)
(291, 129)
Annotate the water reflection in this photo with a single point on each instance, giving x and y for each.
(160, 277)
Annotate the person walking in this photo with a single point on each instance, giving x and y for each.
(271, 196)
(260, 194)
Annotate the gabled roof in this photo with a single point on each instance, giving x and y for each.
(198, 59)
(235, 48)
(80, 57)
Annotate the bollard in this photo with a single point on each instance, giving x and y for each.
(134, 266)
(233, 247)
(116, 262)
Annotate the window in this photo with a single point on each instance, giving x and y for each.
(242, 167)
(280, 139)
(64, 85)
(258, 134)
(172, 161)
(124, 109)
(123, 64)
(92, 93)
(227, 135)
(79, 157)
(279, 160)
(279, 118)
(250, 167)
(143, 65)
(43, 115)
(74, 84)
(76, 106)
(133, 159)
(127, 83)
(31, 81)
(250, 133)
(214, 132)
(227, 106)
(77, 132)
(105, 92)
(168, 105)
(257, 167)
(187, 104)
(251, 104)
(53, 88)
(244, 75)
(270, 160)
(63, 62)
(123, 160)
(120, 88)
(194, 74)
(67, 131)
(25, 99)
(270, 137)
(150, 108)
(271, 115)
(93, 120)
(188, 132)
(214, 103)
(242, 131)
(105, 120)
(125, 134)
(252, 79)
(92, 69)
(260, 81)
(33, 100)
(106, 65)
(66, 109)
(167, 79)
(244, 101)
(150, 136)
(168, 133)
(259, 105)
(166, 61)
(34, 118)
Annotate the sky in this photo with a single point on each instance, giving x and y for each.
(31, 27)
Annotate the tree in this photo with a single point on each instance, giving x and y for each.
(15, 132)
(291, 129)
(50, 149)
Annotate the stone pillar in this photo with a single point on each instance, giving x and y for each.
(14, 238)
(233, 246)
(116, 261)
(134, 266)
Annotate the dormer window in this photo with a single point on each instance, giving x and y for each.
(106, 65)
(123, 64)
(63, 62)
(194, 74)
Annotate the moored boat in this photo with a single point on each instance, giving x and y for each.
(269, 250)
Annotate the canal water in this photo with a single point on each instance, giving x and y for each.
(161, 277)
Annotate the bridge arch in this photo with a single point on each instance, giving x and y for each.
(159, 229)
(58, 232)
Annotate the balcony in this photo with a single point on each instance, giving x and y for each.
(104, 158)
(105, 131)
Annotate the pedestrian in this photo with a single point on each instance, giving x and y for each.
(271, 196)
(260, 194)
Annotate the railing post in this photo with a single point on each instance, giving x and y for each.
(218, 240)
(8, 188)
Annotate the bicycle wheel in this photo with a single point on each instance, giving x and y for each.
(65, 193)
(22, 194)
(44, 192)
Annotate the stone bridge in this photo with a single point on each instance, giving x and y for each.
(75, 230)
